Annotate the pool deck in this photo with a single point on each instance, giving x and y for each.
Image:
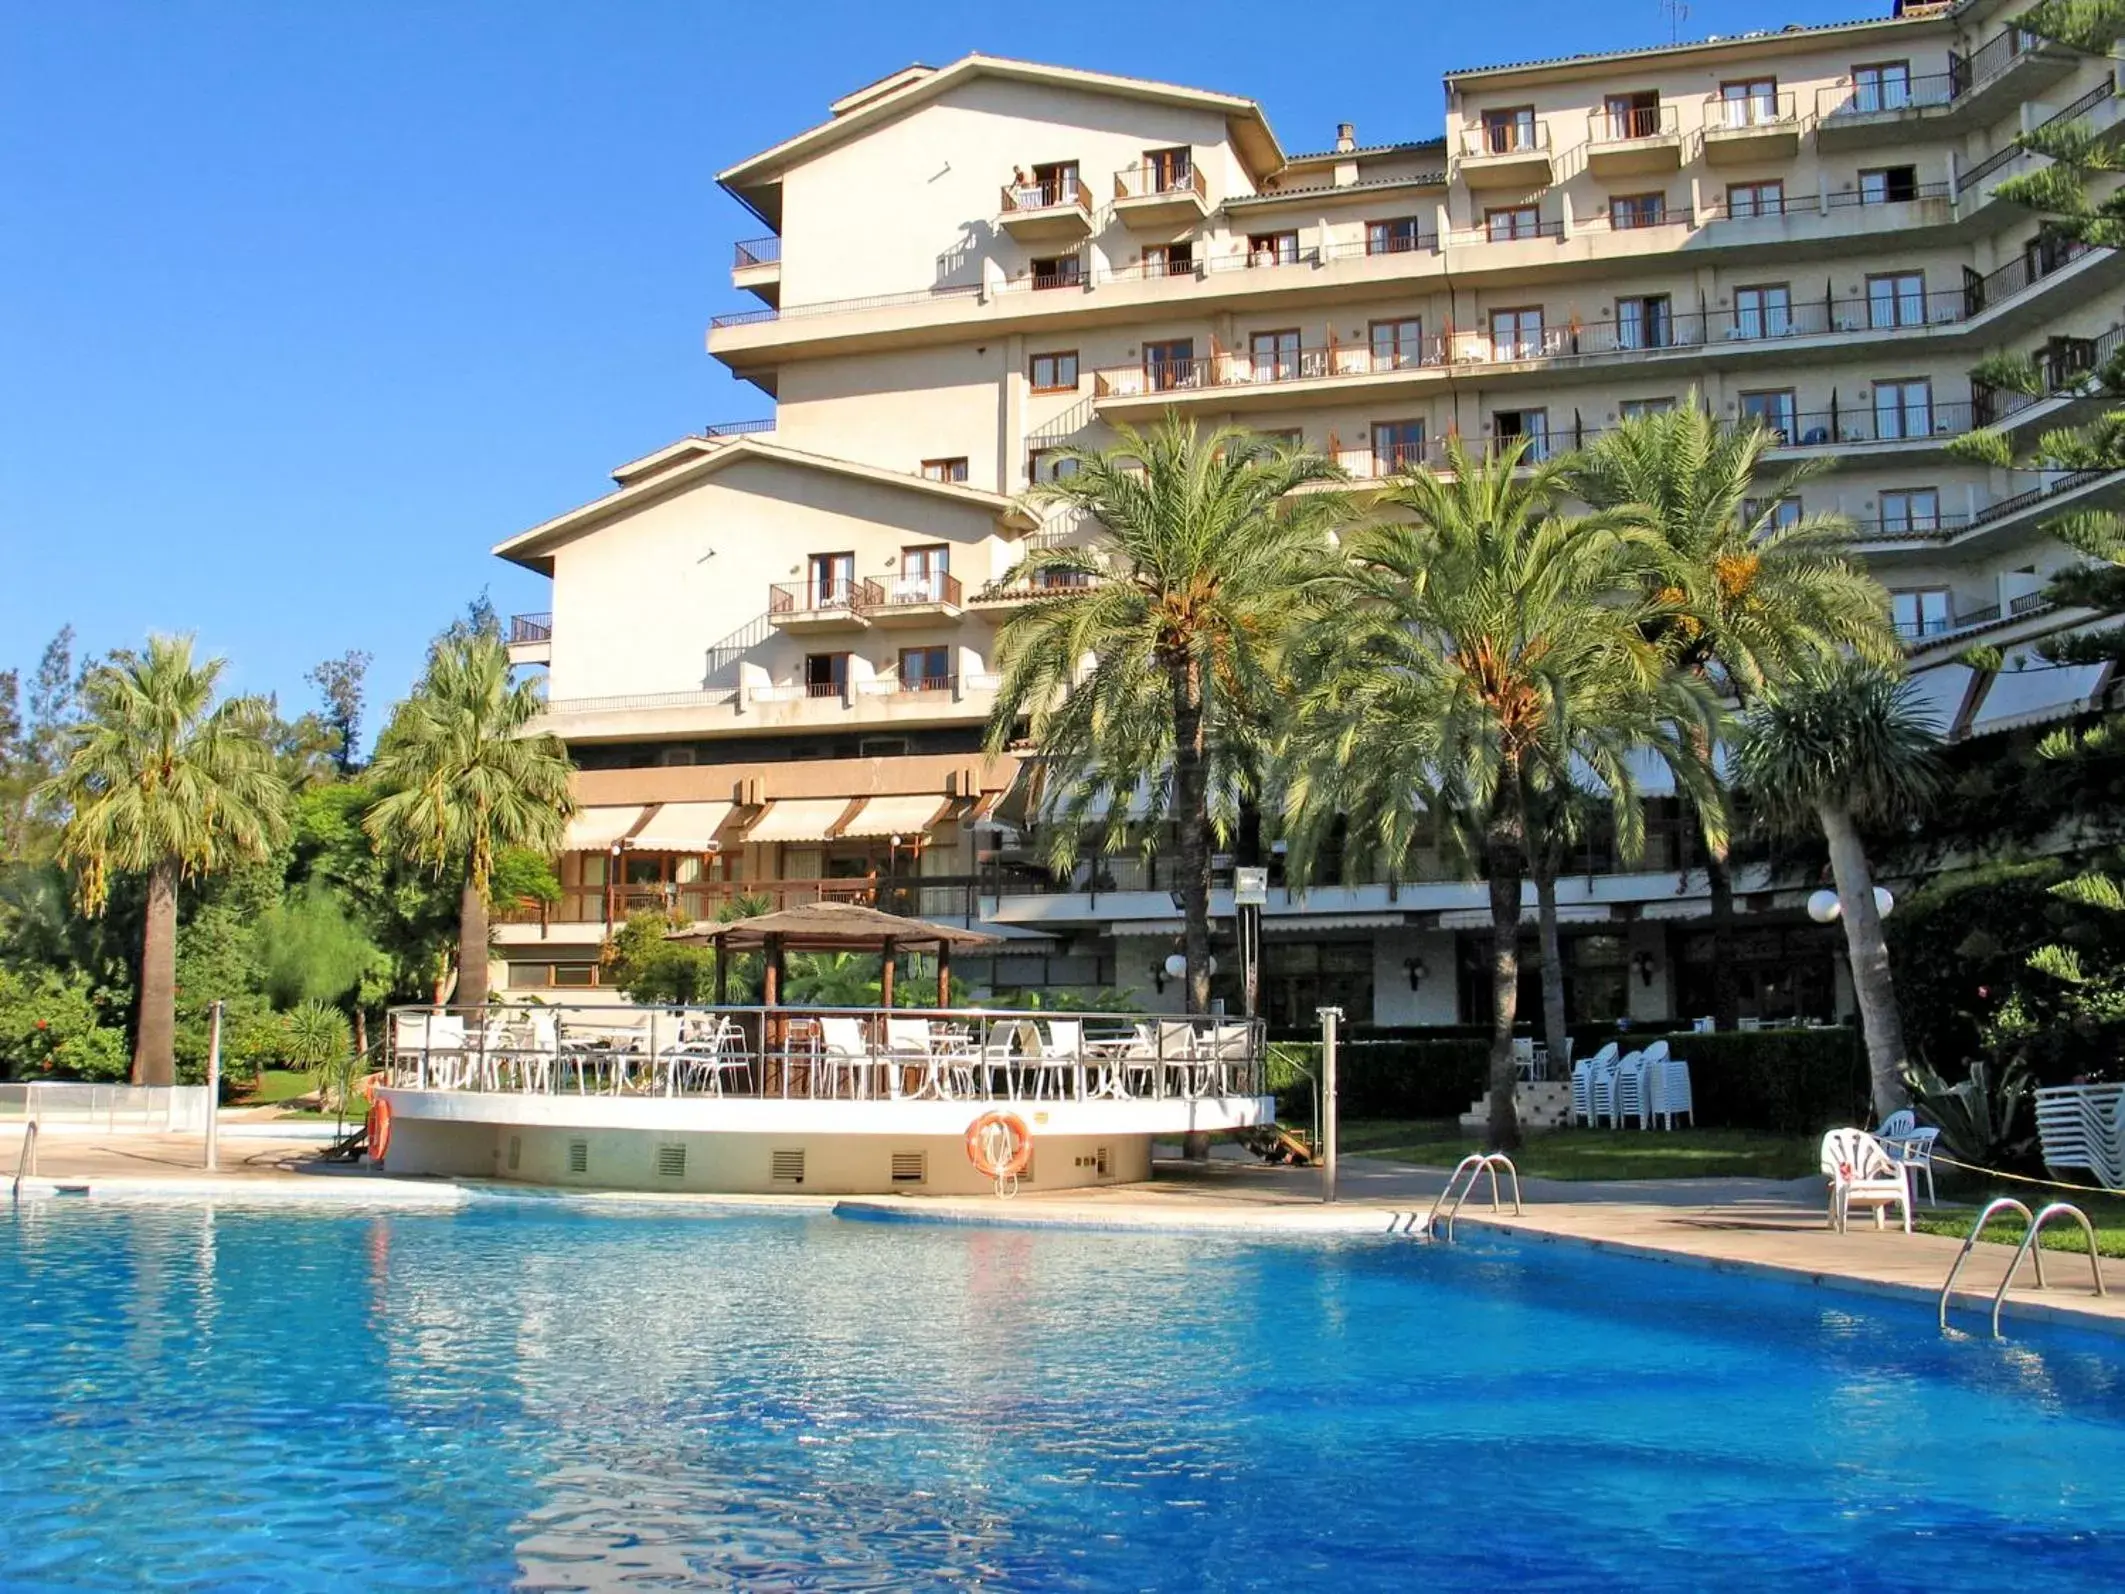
(1744, 1225)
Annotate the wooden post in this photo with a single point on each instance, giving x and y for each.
(722, 975)
(885, 973)
(771, 976)
(944, 973)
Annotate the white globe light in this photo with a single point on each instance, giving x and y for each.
(1883, 901)
(1823, 906)
(1176, 965)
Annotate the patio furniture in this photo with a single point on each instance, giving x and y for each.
(843, 1051)
(1629, 1092)
(1863, 1174)
(1667, 1091)
(1601, 1090)
(1583, 1082)
(2083, 1127)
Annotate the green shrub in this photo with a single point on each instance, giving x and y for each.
(51, 1027)
(1382, 1078)
(1787, 1081)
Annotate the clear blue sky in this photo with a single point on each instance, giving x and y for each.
(304, 304)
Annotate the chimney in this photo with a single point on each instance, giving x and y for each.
(1346, 136)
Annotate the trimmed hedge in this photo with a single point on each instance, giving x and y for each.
(1386, 1079)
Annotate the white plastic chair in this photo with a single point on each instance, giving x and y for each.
(1601, 1089)
(1061, 1053)
(1629, 1093)
(843, 1050)
(1863, 1174)
(1583, 1082)
(1668, 1091)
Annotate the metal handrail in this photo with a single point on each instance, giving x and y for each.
(2002, 1204)
(26, 1164)
(1473, 1164)
(2029, 1246)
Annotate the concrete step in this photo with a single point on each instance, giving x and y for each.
(1547, 1105)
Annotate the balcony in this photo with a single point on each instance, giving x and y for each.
(531, 639)
(1921, 426)
(818, 608)
(2007, 69)
(1148, 386)
(1863, 115)
(916, 600)
(1640, 141)
(1057, 211)
(1000, 599)
(1158, 194)
(756, 266)
(1750, 131)
(1514, 155)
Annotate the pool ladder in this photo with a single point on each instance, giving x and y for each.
(26, 1164)
(2028, 1248)
(1474, 1165)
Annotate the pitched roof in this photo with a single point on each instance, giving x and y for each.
(693, 459)
(1727, 42)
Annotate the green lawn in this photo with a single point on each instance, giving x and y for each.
(280, 1084)
(1594, 1153)
(2107, 1213)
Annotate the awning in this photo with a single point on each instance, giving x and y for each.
(596, 829)
(1147, 927)
(681, 827)
(1301, 923)
(1940, 692)
(799, 819)
(909, 817)
(2035, 693)
(1677, 908)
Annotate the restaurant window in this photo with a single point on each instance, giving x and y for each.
(1395, 236)
(1597, 979)
(1763, 312)
(1058, 271)
(1627, 211)
(1756, 199)
(1273, 249)
(1054, 373)
(1510, 222)
(945, 470)
(1509, 131)
(1889, 185)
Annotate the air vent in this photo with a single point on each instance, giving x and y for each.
(516, 1152)
(911, 1167)
(671, 1162)
(787, 1167)
(579, 1156)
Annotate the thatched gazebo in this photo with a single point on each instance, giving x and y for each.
(829, 927)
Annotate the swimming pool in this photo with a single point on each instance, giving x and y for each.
(536, 1395)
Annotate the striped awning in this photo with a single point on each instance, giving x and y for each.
(799, 819)
(1941, 692)
(596, 829)
(681, 827)
(2036, 693)
(895, 816)
(1300, 923)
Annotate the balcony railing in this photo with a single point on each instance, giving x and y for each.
(924, 683)
(531, 628)
(1047, 584)
(738, 428)
(2002, 158)
(757, 252)
(1909, 528)
(804, 597)
(1624, 125)
(1051, 195)
(1150, 179)
(1724, 114)
(1506, 138)
(1886, 97)
(931, 896)
(1993, 57)
(1863, 423)
(910, 591)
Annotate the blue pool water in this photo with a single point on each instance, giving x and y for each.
(530, 1395)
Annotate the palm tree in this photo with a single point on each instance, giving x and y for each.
(1482, 647)
(1210, 555)
(463, 779)
(1845, 744)
(158, 778)
(1757, 591)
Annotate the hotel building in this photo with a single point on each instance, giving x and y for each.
(772, 647)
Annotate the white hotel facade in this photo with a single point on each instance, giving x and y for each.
(772, 648)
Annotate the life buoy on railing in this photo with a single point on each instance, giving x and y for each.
(999, 1145)
(379, 1129)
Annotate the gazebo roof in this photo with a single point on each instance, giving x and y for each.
(828, 927)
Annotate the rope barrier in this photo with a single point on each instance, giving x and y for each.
(2023, 1178)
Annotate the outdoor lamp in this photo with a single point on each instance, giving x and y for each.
(1823, 906)
(1642, 961)
(1415, 969)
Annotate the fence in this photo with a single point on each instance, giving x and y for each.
(145, 1109)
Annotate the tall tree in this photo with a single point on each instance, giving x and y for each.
(157, 778)
(1757, 590)
(339, 682)
(1482, 647)
(1842, 745)
(1150, 677)
(462, 777)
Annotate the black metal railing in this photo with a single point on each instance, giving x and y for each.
(739, 428)
(756, 252)
(531, 628)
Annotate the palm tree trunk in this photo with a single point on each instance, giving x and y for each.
(1191, 809)
(1726, 991)
(155, 1036)
(471, 945)
(1505, 863)
(1555, 1033)
(1868, 953)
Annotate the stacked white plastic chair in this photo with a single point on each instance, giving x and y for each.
(1583, 1082)
(1667, 1082)
(2082, 1127)
(1630, 1089)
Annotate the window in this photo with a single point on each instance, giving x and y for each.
(1897, 299)
(1764, 312)
(1169, 365)
(1903, 409)
(1888, 186)
(1058, 271)
(1756, 199)
(1638, 210)
(1784, 512)
(1275, 355)
(1395, 236)
(945, 470)
(1049, 465)
(1273, 249)
(923, 573)
(1282, 436)
(833, 580)
(1635, 409)
(1632, 115)
(1884, 86)
(1168, 169)
(1397, 345)
(1508, 131)
(1920, 611)
(1773, 409)
(1054, 373)
(1169, 260)
(825, 674)
(1749, 102)
(926, 669)
(1053, 184)
(1516, 334)
(1645, 322)
(1911, 509)
(1512, 221)
(1396, 444)
(1530, 424)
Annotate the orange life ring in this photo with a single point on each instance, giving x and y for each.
(979, 1134)
(379, 1129)
(368, 1086)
